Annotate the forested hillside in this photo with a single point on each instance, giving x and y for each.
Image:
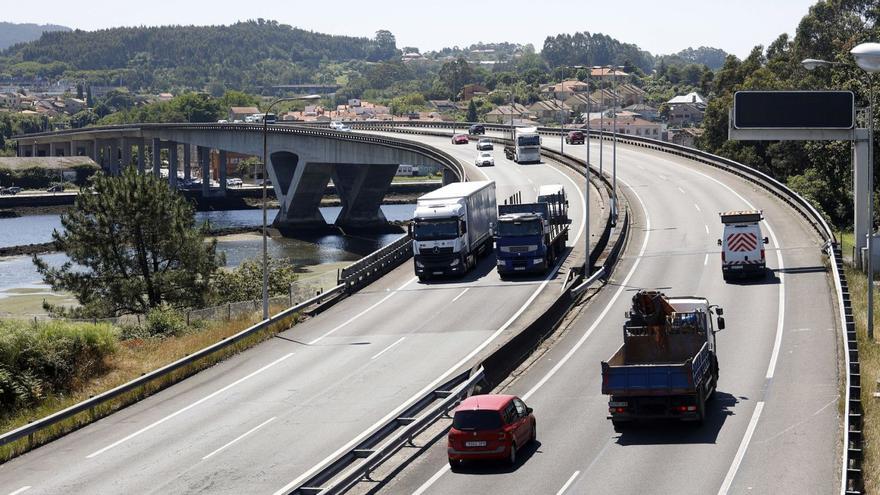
(12, 33)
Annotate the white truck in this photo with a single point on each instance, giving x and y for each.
(526, 146)
(742, 245)
(451, 228)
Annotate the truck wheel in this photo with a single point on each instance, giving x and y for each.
(619, 426)
(701, 408)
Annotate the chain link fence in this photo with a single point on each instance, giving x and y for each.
(305, 287)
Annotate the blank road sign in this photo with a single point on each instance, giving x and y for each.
(793, 110)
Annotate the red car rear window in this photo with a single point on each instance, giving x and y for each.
(476, 420)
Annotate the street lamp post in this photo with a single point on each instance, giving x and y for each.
(867, 56)
(265, 196)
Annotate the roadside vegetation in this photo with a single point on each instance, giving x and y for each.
(869, 357)
(48, 366)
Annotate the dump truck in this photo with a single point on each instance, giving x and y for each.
(451, 227)
(526, 147)
(529, 237)
(667, 366)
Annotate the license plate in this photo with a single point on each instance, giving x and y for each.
(481, 443)
(617, 404)
(437, 273)
(519, 268)
(736, 267)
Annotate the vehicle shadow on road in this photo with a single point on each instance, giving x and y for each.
(485, 265)
(501, 467)
(770, 278)
(662, 432)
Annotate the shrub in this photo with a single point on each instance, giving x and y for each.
(54, 356)
(164, 321)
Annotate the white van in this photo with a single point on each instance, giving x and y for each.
(742, 244)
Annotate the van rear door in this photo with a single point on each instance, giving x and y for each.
(743, 245)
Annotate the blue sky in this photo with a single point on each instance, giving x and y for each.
(657, 26)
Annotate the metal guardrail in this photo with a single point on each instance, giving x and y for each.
(385, 439)
(376, 264)
(852, 481)
(89, 405)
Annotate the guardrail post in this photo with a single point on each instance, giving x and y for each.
(290, 294)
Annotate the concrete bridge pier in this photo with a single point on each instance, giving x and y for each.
(187, 160)
(203, 156)
(449, 177)
(301, 186)
(222, 163)
(361, 189)
(173, 163)
(157, 157)
(141, 157)
(126, 154)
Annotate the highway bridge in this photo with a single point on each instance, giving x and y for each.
(264, 420)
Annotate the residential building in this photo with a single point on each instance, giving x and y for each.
(603, 73)
(630, 94)
(444, 105)
(582, 103)
(691, 98)
(634, 126)
(564, 90)
(10, 100)
(686, 136)
(239, 113)
(550, 111)
(647, 112)
(504, 113)
(685, 114)
(468, 91)
(605, 99)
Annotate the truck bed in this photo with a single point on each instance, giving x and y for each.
(641, 377)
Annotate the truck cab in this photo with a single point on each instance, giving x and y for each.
(742, 244)
(530, 237)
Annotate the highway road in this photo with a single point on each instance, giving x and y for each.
(773, 427)
(260, 420)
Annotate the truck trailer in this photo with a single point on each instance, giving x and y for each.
(451, 227)
(529, 237)
(667, 367)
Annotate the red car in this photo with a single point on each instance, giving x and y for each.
(460, 139)
(490, 427)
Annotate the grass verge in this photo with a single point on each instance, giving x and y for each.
(134, 358)
(869, 357)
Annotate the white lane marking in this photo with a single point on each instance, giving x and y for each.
(362, 313)
(284, 490)
(623, 286)
(707, 228)
(697, 207)
(187, 408)
(255, 428)
(780, 316)
(433, 479)
(568, 483)
(706, 261)
(21, 490)
(461, 294)
(741, 452)
(681, 190)
(383, 351)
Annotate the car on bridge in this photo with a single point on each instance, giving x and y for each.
(574, 137)
(485, 159)
(55, 188)
(477, 129)
(234, 182)
(12, 191)
(485, 144)
(460, 139)
(490, 426)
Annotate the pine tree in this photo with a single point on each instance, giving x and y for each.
(472, 112)
(133, 245)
